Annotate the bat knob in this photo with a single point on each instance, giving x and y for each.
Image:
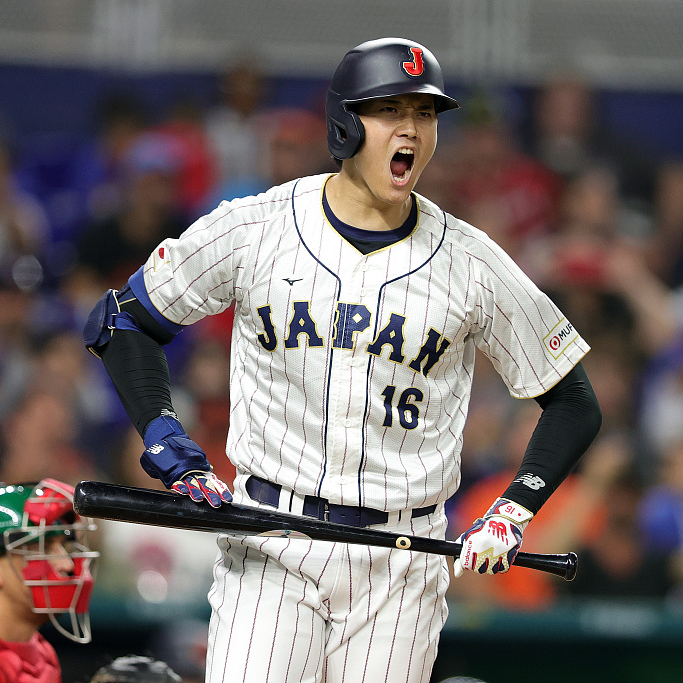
(571, 566)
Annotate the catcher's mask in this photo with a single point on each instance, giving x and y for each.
(32, 515)
(378, 68)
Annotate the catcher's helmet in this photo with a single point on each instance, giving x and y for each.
(30, 515)
(378, 68)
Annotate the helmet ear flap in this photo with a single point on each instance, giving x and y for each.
(356, 138)
(345, 130)
(345, 139)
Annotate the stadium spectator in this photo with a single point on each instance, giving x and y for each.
(197, 168)
(119, 119)
(15, 351)
(666, 246)
(616, 563)
(40, 439)
(24, 227)
(149, 211)
(206, 389)
(656, 340)
(296, 144)
(234, 124)
(495, 185)
(570, 263)
(660, 512)
(568, 136)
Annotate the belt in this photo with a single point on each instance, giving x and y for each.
(266, 492)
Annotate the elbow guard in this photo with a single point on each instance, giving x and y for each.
(105, 317)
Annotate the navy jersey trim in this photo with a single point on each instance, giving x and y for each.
(137, 285)
(367, 241)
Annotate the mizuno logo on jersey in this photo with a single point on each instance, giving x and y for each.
(533, 481)
(290, 281)
(156, 449)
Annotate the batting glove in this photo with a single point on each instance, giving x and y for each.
(491, 544)
(203, 486)
(171, 456)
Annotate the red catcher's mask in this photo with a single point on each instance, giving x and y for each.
(51, 541)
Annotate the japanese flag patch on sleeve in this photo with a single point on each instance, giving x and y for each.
(161, 257)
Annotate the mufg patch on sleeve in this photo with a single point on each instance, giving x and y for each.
(560, 337)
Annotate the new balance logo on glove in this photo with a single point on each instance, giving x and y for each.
(499, 529)
(156, 448)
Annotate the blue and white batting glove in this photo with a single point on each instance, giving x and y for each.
(203, 486)
(171, 456)
(491, 544)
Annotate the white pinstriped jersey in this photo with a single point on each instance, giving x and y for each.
(351, 373)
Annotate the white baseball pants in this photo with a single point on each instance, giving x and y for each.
(291, 610)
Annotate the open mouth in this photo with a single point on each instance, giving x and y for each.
(402, 164)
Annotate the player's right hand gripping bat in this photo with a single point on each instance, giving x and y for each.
(163, 508)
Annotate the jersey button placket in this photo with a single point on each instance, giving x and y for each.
(345, 449)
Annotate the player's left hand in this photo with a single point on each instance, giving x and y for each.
(490, 545)
(203, 486)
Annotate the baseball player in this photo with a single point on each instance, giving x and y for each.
(44, 572)
(358, 308)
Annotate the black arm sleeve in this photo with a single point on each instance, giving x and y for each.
(570, 420)
(138, 367)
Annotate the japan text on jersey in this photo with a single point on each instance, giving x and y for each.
(352, 371)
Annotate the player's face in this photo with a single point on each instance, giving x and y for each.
(400, 139)
(15, 595)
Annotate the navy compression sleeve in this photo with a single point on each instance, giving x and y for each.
(570, 420)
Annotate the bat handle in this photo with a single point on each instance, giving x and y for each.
(560, 565)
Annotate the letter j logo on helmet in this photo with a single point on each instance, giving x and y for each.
(416, 66)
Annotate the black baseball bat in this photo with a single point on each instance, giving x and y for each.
(164, 508)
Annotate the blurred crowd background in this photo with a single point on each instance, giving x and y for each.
(592, 212)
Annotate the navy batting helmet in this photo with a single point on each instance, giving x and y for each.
(378, 68)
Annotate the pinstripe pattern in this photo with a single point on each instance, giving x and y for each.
(313, 417)
(350, 379)
(312, 611)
